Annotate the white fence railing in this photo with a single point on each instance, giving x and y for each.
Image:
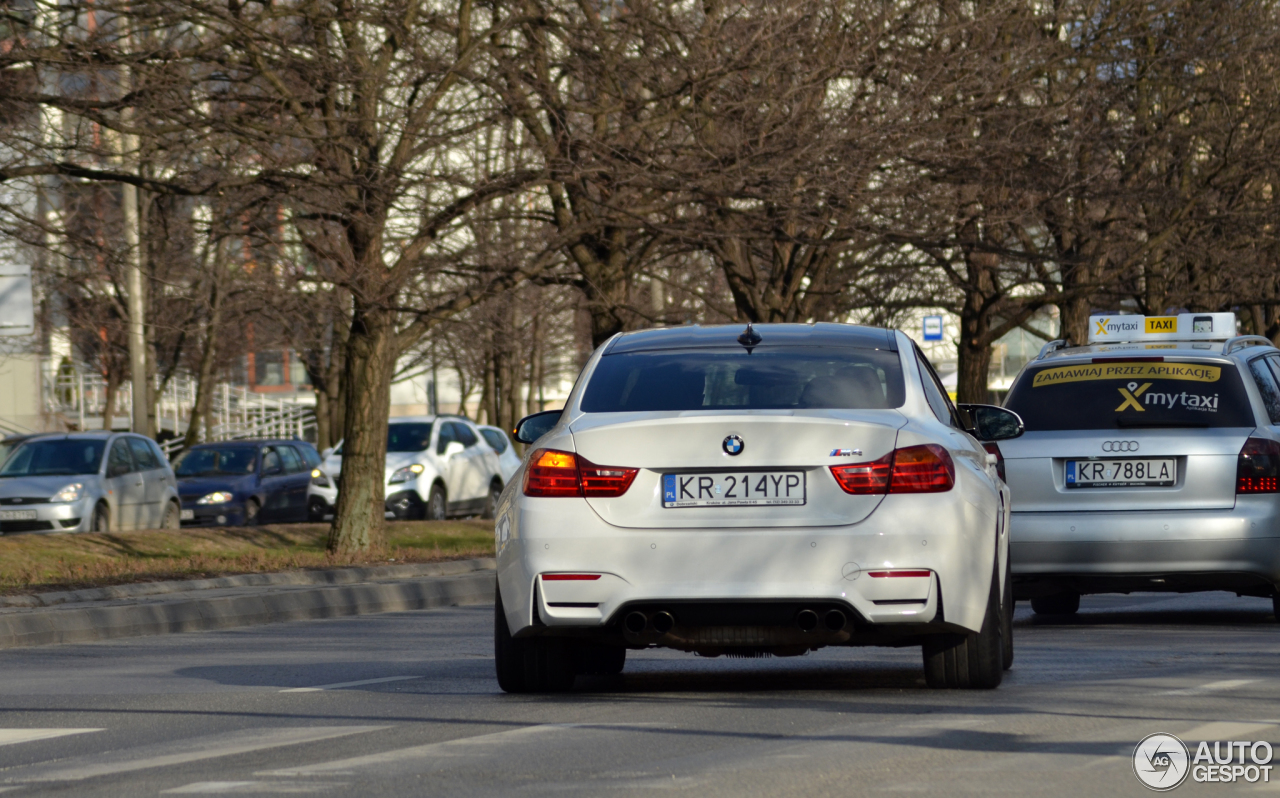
(235, 411)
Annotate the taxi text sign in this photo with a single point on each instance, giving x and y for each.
(1183, 327)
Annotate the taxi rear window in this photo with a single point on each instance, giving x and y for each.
(1120, 394)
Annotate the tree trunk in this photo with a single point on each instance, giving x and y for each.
(1074, 313)
(109, 401)
(974, 364)
(322, 421)
(370, 364)
(204, 384)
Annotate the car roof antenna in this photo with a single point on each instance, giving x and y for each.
(749, 338)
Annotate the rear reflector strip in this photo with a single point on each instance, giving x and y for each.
(570, 577)
(882, 574)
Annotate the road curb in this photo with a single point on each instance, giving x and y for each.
(245, 606)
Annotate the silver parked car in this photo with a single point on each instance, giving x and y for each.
(1150, 462)
(89, 481)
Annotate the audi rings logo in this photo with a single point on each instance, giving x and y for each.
(1119, 446)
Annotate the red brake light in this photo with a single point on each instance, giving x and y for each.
(915, 469)
(605, 481)
(570, 577)
(1258, 467)
(551, 473)
(556, 473)
(862, 479)
(922, 469)
(992, 448)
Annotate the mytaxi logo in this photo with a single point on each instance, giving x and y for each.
(1162, 324)
(1122, 324)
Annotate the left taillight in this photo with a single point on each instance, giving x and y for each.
(556, 473)
(914, 469)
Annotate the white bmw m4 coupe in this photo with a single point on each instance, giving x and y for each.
(756, 492)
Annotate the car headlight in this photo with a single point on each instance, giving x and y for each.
(318, 477)
(70, 493)
(217, 497)
(407, 473)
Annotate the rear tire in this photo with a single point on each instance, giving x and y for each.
(491, 501)
(1057, 604)
(969, 661)
(172, 517)
(101, 519)
(529, 665)
(437, 504)
(1006, 619)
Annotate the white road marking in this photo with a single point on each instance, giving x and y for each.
(340, 685)
(177, 752)
(1211, 687)
(11, 736)
(419, 758)
(254, 787)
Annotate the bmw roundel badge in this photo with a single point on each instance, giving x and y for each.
(732, 445)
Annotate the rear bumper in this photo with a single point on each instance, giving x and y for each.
(828, 566)
(1235, 549)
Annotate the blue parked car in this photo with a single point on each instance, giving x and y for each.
(240, 483)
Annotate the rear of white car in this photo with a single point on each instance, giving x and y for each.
(767, 499)
(1145, 467)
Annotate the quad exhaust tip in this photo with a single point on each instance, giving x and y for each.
(635, 622)
(835, 620)
(663, 622)
(807, 620)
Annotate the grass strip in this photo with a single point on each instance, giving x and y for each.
(39, 563)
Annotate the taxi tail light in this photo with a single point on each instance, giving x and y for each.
(556, 473)
(915, 469)
(993, 448)
(1258, 467)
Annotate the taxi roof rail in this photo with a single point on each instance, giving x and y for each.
(1243, 341)
(1052, 346)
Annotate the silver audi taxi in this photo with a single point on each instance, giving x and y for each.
(1150, 462)
(758, 492)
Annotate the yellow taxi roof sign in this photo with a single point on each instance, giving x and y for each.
(1114, 327)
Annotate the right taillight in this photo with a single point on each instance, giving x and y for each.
(1258, 467)
(915, 469)
(992, 448)
(556, 473)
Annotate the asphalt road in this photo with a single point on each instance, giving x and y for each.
(405, 704)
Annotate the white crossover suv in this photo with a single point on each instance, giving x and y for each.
(762, 492)
(437, 467)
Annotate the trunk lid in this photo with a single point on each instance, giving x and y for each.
(1204, 461)
(687, 442)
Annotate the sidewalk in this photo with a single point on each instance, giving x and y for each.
(151, 608)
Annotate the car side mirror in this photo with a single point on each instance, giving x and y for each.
(535, 426)
(990, 423)
(454, 447)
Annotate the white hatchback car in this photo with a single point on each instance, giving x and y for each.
(764, 493)
(437, 467)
